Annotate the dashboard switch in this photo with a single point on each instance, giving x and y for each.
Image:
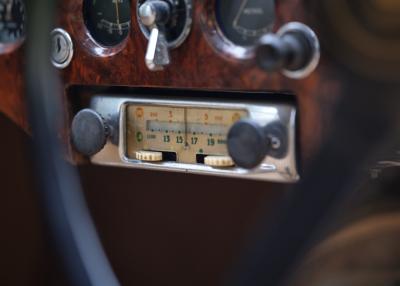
(89, 132)
(166, 24)
(154, 15)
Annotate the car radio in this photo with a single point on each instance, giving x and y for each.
(247, 139)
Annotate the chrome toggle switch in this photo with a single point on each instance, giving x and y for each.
(166, 24)
(154, 15)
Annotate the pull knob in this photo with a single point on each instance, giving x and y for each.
(294, 50)
(154, 14)
(89, 132)
(249, 143)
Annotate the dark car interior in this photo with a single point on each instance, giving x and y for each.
(200, 142)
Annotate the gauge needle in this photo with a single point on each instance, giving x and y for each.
(239, 14)
(186, 129)
(117, 10)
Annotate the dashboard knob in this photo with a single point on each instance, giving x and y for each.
(249, 143)
(89, 132)
(294, 50)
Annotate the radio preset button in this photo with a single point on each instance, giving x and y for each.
(149, 156)
(219, 161)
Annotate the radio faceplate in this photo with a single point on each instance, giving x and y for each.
(190, 135)
(187, 133)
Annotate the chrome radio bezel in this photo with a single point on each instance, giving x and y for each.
(113, 110)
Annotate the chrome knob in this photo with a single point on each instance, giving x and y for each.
(154, 12)
(147, 14)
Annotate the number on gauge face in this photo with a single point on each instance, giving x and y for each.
(108, 21)
(244, 21)
(12, 21)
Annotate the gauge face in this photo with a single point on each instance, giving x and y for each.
(108, 21)
(12, 21)
(244, 21)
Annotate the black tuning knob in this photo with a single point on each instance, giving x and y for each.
(294, 50)
(89, 132)
(249, 143)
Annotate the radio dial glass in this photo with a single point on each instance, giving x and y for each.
(187, 132)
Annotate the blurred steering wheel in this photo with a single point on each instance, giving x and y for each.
(361, 35)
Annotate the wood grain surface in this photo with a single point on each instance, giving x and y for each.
(195, 65)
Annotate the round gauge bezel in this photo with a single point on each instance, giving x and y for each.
(217, 38)
(186, 29)
(6, 48)
(9, 47)
(96, 48)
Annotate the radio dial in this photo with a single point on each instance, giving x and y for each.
(89, 132)
(249, 142)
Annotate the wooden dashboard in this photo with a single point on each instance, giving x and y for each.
(195, 65)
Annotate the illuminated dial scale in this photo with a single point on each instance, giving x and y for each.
(188, 132)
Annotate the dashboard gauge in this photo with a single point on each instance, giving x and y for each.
(244, 21)
(12, 24)
(108, 21)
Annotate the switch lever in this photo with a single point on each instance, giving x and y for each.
(157, 54)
